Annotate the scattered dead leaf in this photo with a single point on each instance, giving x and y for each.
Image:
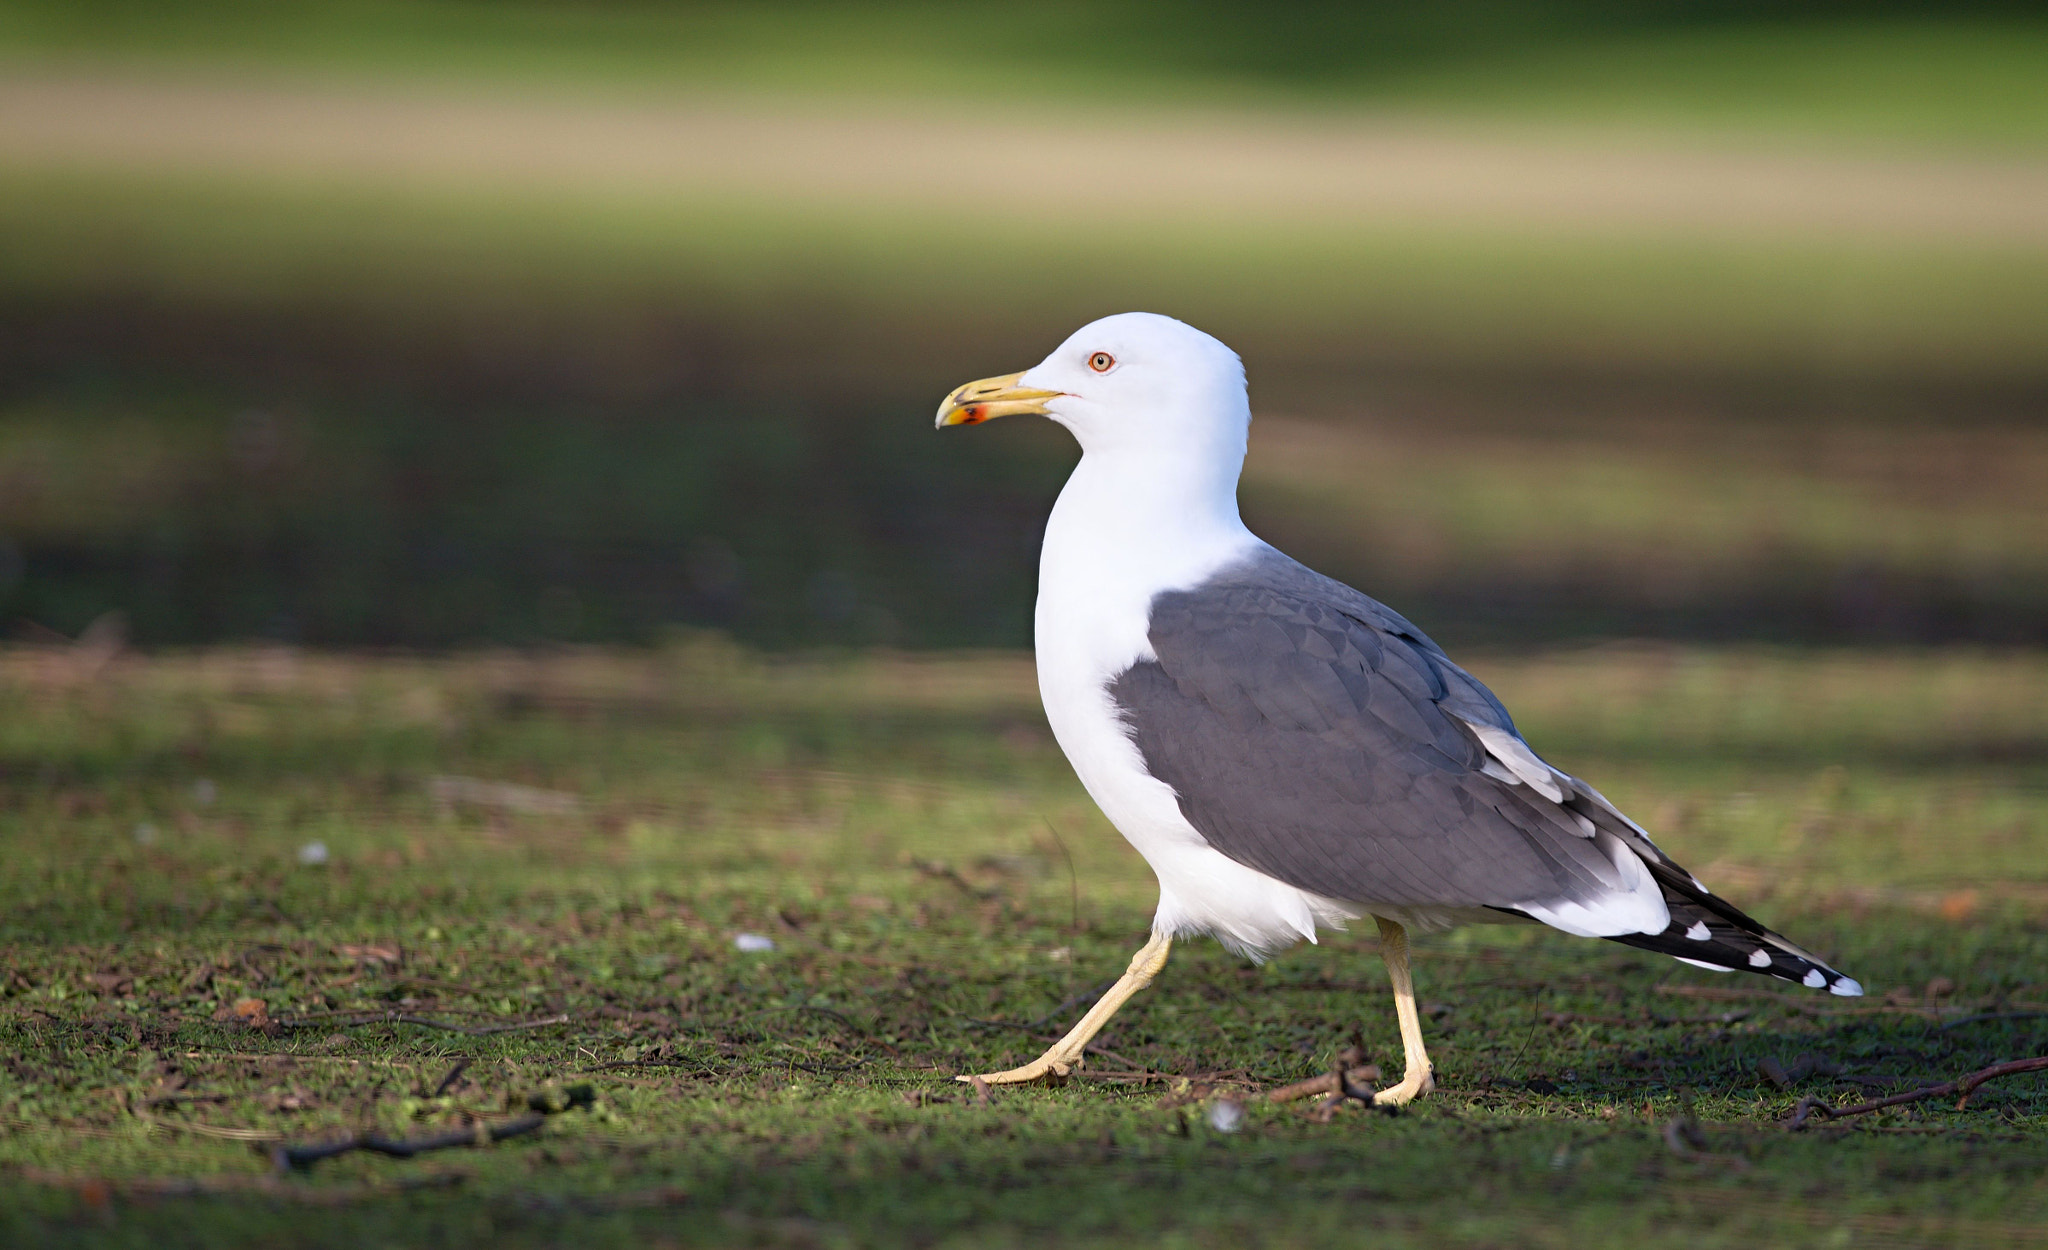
(371, 954)
(252, 1012)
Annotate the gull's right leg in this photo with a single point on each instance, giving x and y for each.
(1065, 1054)
(1417, 1077)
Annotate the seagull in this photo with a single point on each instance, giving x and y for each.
(1287, 753)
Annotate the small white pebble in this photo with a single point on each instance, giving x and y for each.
(1226, 1115)
(753, 943)
(145, 834)
(313, 854)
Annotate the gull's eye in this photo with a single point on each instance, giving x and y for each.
(1102, 362)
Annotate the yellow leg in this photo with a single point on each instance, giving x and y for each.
(1416, 1078)
(1065, 1054)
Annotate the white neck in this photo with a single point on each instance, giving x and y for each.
(1130, 523)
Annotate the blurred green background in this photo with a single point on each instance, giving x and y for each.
(438, 323)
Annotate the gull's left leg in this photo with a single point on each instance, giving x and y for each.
(1065, 1054)
(1416, 1078)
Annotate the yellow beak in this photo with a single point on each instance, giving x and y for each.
(990, 398)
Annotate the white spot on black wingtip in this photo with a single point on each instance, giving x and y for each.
(1759, 958)
(1698, 932)
(1814, 979)
(1846, 987)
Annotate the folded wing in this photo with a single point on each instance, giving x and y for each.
(1315, 735)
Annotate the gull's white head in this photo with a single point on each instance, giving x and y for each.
(1133, 382)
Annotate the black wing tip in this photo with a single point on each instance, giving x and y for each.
(1711, 932)
(1783, 961)
(1762, 952)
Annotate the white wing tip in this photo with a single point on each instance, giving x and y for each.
(1846, 987)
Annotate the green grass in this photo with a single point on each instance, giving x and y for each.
(1748, 523)
(890, 822)
(623, 377)
(1940, 76)
(320, 497)
(872, 291)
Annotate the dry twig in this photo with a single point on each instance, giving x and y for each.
(1324, 1084)
(482, 1133)
(454, 1074)
(1341, 1086)
(1810, 1106)
(209, 1130)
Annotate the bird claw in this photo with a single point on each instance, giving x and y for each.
(1413, 1086)
(1052, 1071)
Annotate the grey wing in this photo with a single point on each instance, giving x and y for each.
(1315, 735)
(1328, 744)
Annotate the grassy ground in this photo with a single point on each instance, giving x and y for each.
(535, 361)
(888, 281)
(187, 980)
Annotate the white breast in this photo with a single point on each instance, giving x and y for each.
(1104, 560)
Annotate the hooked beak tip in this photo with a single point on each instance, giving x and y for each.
(990, 398)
